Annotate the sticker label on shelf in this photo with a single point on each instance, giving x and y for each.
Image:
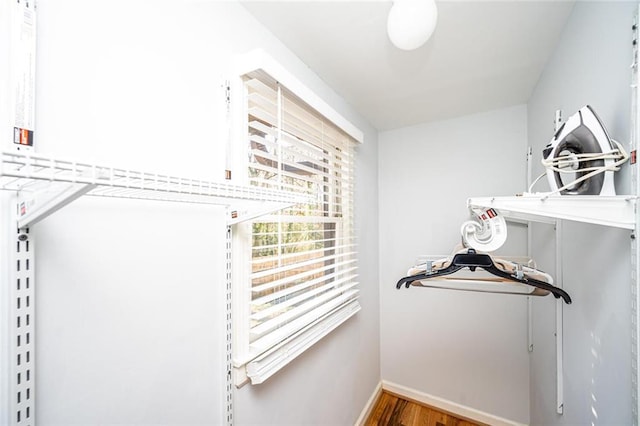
(22, 136)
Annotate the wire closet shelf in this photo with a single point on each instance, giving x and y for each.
(30, 174)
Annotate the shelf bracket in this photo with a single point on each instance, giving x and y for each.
(38, 203)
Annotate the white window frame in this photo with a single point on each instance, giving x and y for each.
(246, 364)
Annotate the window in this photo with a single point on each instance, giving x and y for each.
(298, 267)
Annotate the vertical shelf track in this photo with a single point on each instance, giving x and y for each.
(529, 254)
(559, 322)
(559, 304)
(635, 253)
(229, 335)
(22, 310)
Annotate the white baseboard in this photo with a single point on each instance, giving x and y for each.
(445, 405)
(366, 411)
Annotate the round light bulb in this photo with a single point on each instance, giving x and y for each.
(411, 22)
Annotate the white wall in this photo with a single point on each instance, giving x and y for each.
(129, 306)
(468, 348)
(590, 66)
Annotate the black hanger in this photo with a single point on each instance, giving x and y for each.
(473, 260)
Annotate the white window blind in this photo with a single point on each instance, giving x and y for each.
(302, 281)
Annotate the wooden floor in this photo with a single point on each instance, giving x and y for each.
(391, 410)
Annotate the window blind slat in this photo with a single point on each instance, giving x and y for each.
(274, 269)
(294, 289)
(265, 183)
(270, 340)
(266, 312)
(325, 241)
(303, 167)
(295, 120)
(344, 157)
(314, 234)
(271, 134)
(283, 352)
(315, 180)
(301, 219)
(268, 101)
(303, 171)
(302, 316)
(293, 278)
(292, 314)
(285, 257)
(298, 170)
(298, 265)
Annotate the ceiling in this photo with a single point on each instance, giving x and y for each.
(483, 55)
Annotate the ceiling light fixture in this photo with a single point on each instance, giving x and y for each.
(411, 22)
